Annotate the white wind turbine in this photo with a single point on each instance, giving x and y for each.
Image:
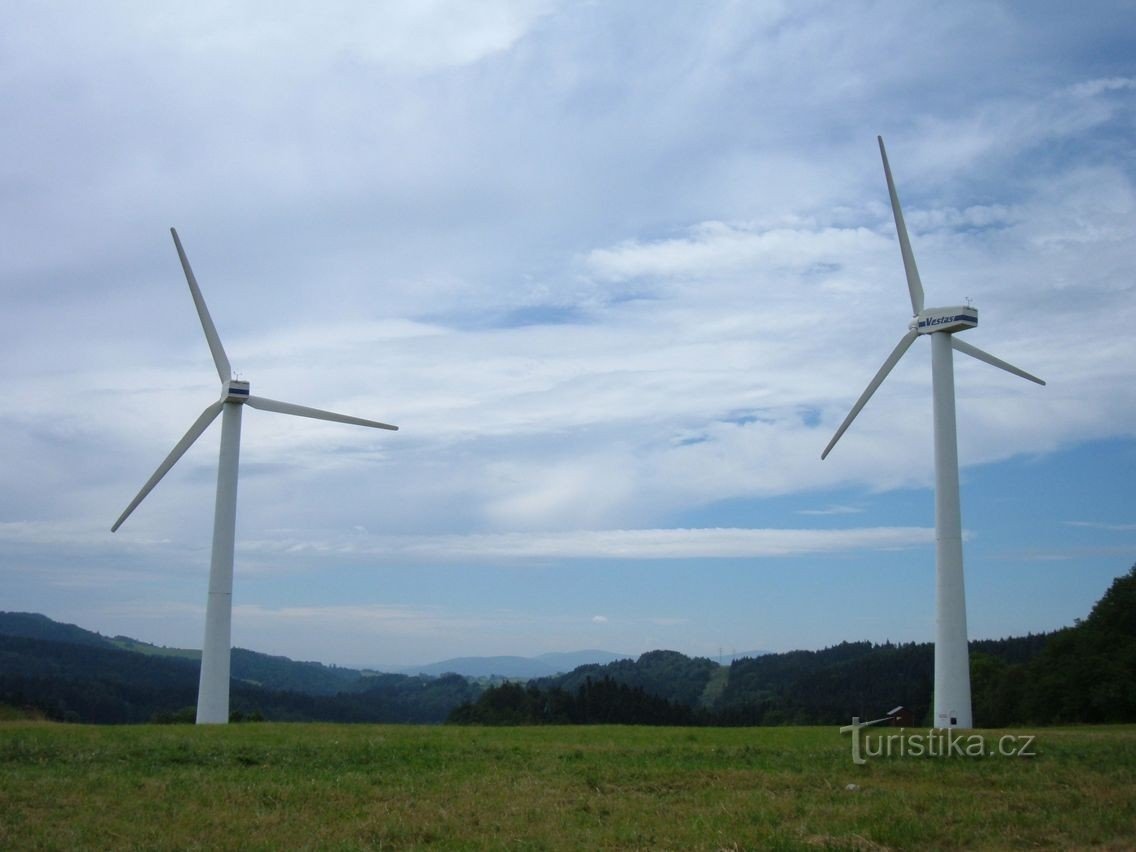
(952, 706)
(213, 689)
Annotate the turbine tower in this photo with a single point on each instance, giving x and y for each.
(952, 706)
(213, 689)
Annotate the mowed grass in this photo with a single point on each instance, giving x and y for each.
(275, 786)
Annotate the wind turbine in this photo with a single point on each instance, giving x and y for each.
(952, 706)
(213, 689)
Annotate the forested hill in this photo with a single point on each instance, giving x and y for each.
(32, 625)
(800, 687)
(1084, 673)
(68, 673)
(279, 673)
(665, 674)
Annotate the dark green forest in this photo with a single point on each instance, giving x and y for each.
(70, 674)
(1081, 674)
(1085, 673)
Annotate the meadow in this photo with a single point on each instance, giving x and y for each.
(272, 786)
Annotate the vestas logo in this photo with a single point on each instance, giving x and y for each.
(931, 322)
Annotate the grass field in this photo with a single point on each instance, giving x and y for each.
(274, 786)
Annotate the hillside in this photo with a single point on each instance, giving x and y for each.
(1084, 673)
(85, 681)
(668, 675)
(32, 625)
(799, 687)
(514, 667)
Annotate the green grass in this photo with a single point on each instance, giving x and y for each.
(272, 786)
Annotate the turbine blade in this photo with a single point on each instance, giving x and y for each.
(975, 352)
(914, 285)
(219, 357)
(199, 426)
(317, 413)
(892, 359)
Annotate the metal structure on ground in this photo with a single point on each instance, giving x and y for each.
(213, 688)
(952, 703)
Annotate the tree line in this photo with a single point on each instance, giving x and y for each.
(1085, 673)
(96, 682)
(1082, 674)
(605, 701)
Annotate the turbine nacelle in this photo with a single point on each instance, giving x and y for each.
(934, 320)
(236, 391)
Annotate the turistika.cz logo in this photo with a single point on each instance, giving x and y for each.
(934, 742)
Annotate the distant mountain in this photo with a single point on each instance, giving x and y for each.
(800, 687)
(73, 673)
(127, 644)
(32, 625)
(252, 667)
(505, 666)
(668, 675)
(67, 673)
(566, 661)
(1081, 674)
(276, 672)
(514, 668)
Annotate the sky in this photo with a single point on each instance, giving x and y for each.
(617, 271)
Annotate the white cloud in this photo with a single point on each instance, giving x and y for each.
(717, 248)
(608, 266)
(832, 510)
(1098, 525)
(360, 619)
(612, 544)
(1094, 88)
(417, 37)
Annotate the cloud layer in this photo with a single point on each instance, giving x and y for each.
(617, 272)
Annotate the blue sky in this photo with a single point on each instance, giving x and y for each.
(617, 270)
